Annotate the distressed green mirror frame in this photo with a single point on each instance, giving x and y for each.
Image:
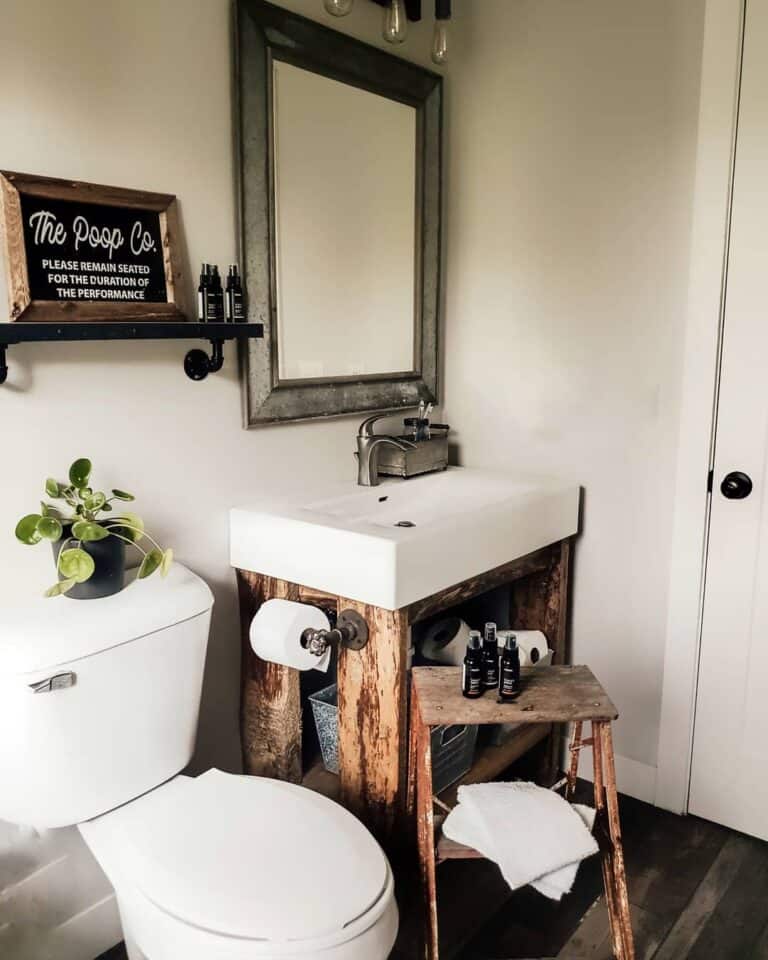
(265, 33)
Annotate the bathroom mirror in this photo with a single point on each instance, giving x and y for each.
(339, 158)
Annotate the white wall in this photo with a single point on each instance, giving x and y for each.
(135, 94)
(572, 137)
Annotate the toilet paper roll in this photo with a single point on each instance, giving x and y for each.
(532, 645)
(446, 641)
(276, 634)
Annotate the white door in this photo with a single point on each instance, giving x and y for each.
(729, 771)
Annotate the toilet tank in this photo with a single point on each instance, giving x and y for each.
(99, 699)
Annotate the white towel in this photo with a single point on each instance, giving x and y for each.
(533, 834)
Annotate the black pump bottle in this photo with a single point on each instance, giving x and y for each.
(215, 297)
(509, 674)
(471, 674)
(202, 293)
(490, 661)
(234, 296)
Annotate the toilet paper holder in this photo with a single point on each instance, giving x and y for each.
(350, 632)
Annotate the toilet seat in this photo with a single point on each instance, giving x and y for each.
(260, 861)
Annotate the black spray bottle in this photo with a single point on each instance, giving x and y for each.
(215, 297)
(490, 662)
(472, 671)
(509, 674)
(234, 297)
(202, 294)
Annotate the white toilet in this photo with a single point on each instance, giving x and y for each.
(98, 706)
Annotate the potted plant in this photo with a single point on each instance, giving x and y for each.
(89, 543)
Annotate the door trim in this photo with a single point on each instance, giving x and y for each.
(718, 114)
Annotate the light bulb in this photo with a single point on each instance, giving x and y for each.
(395, 22)
(440, 42)
(338, 8)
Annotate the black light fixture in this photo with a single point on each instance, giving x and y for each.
(440, 38)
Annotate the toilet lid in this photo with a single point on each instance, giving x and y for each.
(247, 856)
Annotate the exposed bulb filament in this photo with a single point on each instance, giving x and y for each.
(395, 22)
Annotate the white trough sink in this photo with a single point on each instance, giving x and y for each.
(351, 540)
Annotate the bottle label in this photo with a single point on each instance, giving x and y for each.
(509, 683)
(201, 306)
(235, 306)
(490, 673)
(213, 302)
(470, 680)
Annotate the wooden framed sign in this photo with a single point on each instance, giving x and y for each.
(80, 251)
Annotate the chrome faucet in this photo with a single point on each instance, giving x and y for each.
(368, 444)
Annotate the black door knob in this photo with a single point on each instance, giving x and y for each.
(736, 485)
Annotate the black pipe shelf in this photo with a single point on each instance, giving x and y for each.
(197, 363)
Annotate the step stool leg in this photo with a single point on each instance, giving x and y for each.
(573, 769)
(606, 847)
(425, 829)
(624, 920)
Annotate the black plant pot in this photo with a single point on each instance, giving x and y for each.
(108, 556)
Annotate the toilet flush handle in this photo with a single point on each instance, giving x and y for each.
(350, 632)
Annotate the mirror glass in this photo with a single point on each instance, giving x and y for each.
(345, 228)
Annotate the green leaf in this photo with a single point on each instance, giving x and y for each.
(26, 529)
(48, 510)
(53, 487)
(76, 564)
(50, 528)
(165, 566)
(122, 495)
(95, 501)
(88, 532)
(107, 506)
(79, 473)
(132, 526)
(61, 587)
(150, 563)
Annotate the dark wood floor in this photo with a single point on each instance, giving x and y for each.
(698, 892)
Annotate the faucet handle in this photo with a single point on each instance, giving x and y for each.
(366, 427)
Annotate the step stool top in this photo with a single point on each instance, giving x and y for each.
(554, 694)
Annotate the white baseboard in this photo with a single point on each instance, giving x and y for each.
(633, 778)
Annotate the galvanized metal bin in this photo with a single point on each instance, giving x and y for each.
(325, 710)
(453, 752)
(453, 747)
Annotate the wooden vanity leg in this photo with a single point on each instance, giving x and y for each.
(373, 698)
(623, 919)
(270, 701)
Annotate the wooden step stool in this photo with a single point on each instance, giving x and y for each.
(558, 694)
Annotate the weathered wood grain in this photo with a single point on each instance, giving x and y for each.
(425, 830)
(621, 922)
(373, 701)
(12, 231)
(711, 890)
(270, 699)
(539, 561)
(549, 695)
(605, 849)
(83, 192)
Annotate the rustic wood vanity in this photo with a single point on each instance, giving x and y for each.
(373, 687)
